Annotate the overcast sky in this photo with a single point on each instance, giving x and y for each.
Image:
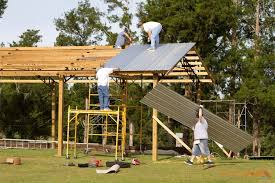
(21, 15)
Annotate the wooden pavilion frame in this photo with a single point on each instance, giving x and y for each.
(59, 64)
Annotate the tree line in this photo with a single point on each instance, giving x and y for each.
(235, 39)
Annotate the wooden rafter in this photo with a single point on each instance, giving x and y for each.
(68, 61)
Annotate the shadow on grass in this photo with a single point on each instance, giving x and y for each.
(206, 167)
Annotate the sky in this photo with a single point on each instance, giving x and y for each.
(21, 15)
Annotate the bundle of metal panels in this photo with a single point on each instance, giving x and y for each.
(183, 110)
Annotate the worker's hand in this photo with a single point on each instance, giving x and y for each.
(148, 40)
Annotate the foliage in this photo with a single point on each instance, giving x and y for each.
(25, 109)
(240, 60)
(80, 26)
(3, 6)
(22, 114)
(119, 12)
(30, 38)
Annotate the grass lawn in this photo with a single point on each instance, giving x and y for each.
(43, 166)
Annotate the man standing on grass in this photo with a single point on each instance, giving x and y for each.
(200, 145)
(152, 29)
(102, 76)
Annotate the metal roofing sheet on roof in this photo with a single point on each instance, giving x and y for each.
(138, 58)
(183, 110)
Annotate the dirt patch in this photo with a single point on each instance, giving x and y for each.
(250, 173)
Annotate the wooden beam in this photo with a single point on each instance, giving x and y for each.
(56, 48)
(198, 68)
(192, 57)
(222, 148)
(53, 114)
(47, 73)
(173, 134)
(60, 115)
(112, 81)
(155, 126)
(124, 117)
(172, 74)
(191, 52)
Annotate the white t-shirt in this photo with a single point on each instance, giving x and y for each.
(150, 26)
(200, 131)
(102, 76)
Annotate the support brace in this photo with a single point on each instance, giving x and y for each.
(171, 133)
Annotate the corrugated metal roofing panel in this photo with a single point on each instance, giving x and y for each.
(138, 58)
(183, 110)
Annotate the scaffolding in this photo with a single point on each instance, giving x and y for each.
(99, 123)
(109, 122)
(236, 113)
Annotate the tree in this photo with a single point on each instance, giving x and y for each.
(236, 41)
(30, 38)
(258, 79)
(21, 113)
(119, 12)
(3, 6)
(80, 26)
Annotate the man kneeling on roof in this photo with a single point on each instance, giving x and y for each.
(102, 76)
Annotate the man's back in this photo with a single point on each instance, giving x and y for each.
(102, 76)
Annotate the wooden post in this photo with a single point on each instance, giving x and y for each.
(199, 93)
(239, 119)
(53, 114)
(187, 91)
(87, 104)
(131, 135)
(231, 114)
(155, 126)
(124, 117)
(60, 116)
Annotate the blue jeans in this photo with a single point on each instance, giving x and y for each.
(103, 96)
(155, 37)
(201, 148)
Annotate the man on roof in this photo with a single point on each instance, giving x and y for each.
(152, 29)
(122, 38)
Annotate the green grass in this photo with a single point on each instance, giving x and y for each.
(43, 166)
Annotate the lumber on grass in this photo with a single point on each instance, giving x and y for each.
(14, 160)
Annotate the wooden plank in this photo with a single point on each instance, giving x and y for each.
(173, 134)
(50, 73)
(60, 116)
(112, 81)
(59, 48)
(155, 126)
(186, 74)
(194, 68)
(53, 115)
(195, 63)
(55, 66)
(54, 54)
(192, 58)
(191, 52)
(223, 149)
